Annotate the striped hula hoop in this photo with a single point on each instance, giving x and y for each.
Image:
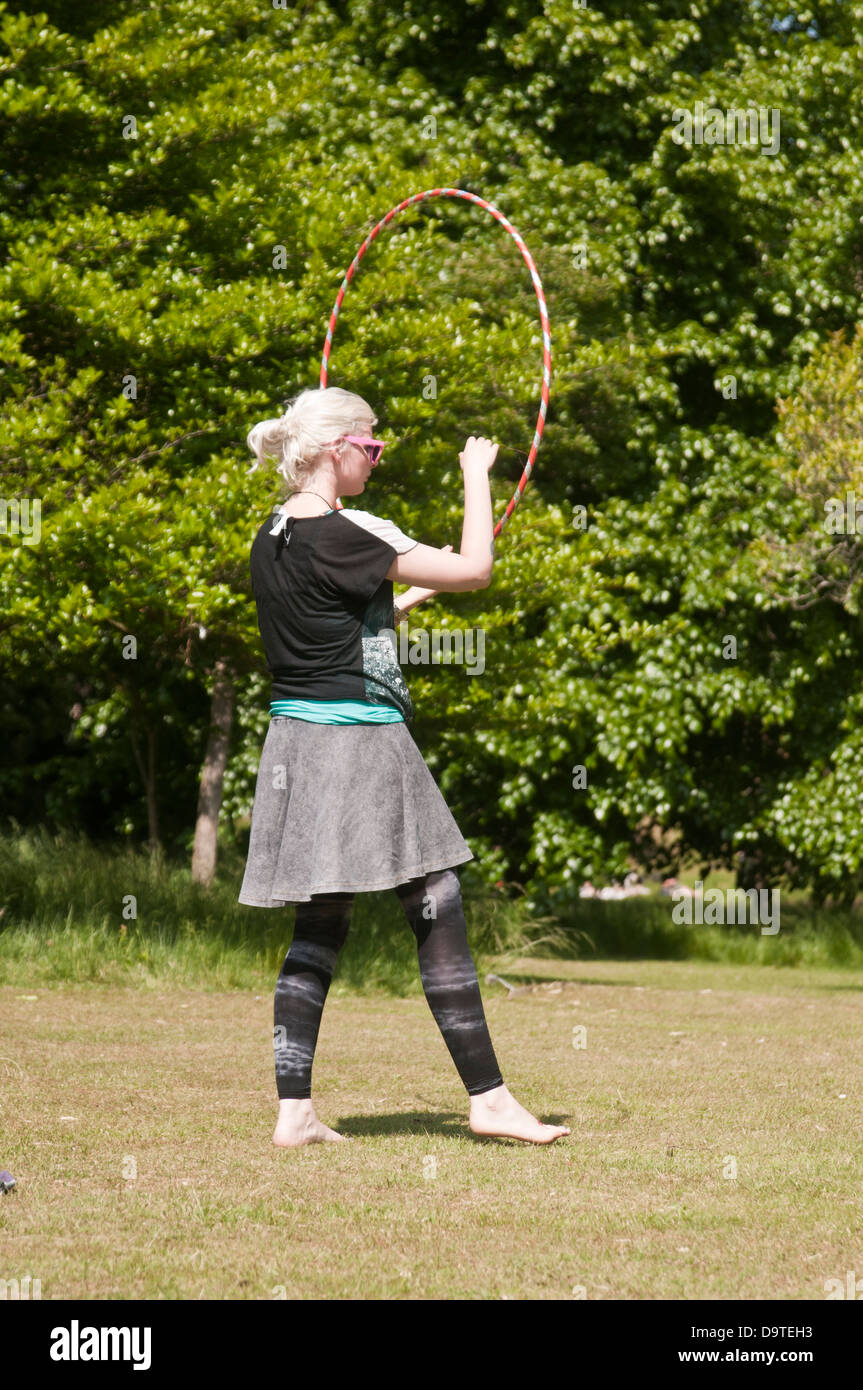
(543, 314)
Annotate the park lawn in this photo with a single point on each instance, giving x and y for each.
(138, 1125)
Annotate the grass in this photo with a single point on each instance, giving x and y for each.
(66, 917)
(138, 1125)
(715, 1151)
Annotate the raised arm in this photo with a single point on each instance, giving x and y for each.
(471, 568)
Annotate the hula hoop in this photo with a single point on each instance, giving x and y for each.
(543, 314)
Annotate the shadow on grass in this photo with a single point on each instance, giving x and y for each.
(415, 1122)
(445, 1124)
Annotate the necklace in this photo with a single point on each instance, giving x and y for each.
(310, 493)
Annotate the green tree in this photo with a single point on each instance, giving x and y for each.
(181, 195)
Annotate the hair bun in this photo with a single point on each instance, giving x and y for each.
(308, 423)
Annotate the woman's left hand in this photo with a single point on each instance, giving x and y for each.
(414, 596)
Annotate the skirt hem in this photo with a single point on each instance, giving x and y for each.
(378, 886)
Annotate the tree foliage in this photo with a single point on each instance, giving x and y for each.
(182, 191)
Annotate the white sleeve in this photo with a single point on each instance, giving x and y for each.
(379, 526)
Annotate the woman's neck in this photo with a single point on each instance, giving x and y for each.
(312, 498)
(304, 506)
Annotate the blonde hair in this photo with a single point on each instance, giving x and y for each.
(312, 420)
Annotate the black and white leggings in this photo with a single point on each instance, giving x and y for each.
(433, 907)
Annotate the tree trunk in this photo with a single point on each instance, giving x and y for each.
(206, 843)
(148, 777)
(751, 871)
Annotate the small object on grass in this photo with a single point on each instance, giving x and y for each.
(554, 985)
(7, 1182)
(496, 980)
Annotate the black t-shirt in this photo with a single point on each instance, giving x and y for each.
(323, 603)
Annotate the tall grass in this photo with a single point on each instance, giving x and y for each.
(74, 911)
(642, 928)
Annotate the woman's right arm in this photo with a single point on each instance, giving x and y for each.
(472, 567)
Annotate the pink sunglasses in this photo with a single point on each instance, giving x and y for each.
(373, 447)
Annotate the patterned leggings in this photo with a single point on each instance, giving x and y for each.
(433, 907)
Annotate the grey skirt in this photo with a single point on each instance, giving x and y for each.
(343, 808)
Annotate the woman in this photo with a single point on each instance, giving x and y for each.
(344, 801)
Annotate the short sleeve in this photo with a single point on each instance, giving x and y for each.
(378, 526)
(356, 559)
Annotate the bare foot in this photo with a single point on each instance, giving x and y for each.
(298, 1124)
(498, 1112)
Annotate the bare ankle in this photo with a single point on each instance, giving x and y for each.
(493, 1098)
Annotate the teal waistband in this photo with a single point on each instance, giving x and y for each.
(336, 711)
